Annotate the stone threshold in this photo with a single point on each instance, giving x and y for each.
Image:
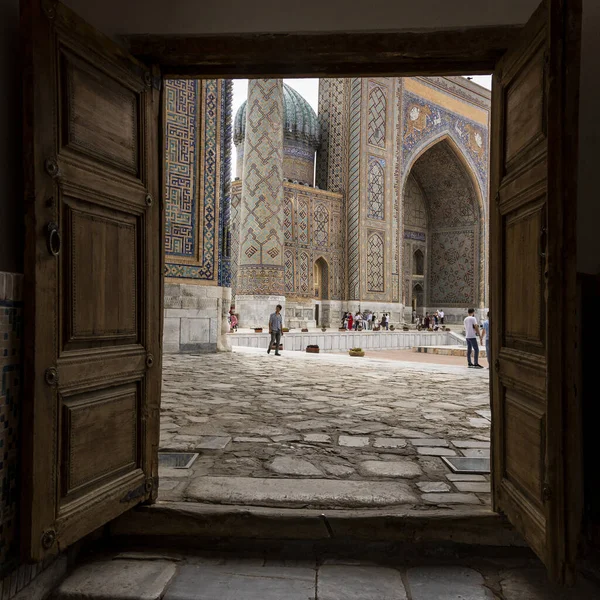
(198, 525)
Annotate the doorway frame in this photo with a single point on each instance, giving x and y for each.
(400, 53)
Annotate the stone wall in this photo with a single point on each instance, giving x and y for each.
(196, 318)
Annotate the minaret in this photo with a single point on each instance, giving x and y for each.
(260, 283)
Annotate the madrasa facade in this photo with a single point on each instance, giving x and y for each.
(377, 203)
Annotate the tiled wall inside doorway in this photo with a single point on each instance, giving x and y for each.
(11, 333)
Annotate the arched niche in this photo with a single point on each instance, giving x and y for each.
(321, 279)
(443, 221)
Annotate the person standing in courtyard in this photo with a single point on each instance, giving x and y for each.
(441, 313)
(275, 329)
(385, 321)
(471, 333)
(350, 321)
(485, 332)
(357, 321)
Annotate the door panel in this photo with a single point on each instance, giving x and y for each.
(532, 252)
(94, 279)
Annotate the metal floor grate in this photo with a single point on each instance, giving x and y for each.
(177, 460)
(461, 464)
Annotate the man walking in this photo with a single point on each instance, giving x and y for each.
(485, 331)
(275, 329)
(471, 333)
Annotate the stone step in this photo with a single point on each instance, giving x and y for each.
(448, 350)
(198, 525)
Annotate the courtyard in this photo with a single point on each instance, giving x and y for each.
(323, 431)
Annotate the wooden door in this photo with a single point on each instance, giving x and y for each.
(93, 279)
(536, 432)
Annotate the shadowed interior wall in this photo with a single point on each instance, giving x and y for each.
(11, 218)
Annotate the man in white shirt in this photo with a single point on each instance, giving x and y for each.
(441, 315)
(472, 333)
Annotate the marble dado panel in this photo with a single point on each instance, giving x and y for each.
(336, 341)
(196, 318)
(197, 177)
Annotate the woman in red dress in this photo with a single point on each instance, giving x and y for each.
(350, 321)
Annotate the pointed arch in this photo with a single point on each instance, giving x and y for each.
(449, 137)
(453, 240)
(321, 281)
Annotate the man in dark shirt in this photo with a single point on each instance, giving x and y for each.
(275, 329)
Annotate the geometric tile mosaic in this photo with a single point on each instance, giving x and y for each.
(376, 188)
(261, 215)
(377, 116)
(353, 210)
(11, 379)
(375, 263)
(197, 174)
(321, 229)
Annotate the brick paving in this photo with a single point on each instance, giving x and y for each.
(317, 419)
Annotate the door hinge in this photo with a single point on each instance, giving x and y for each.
(48, 539)
(546, 493)
(51, 376)
(139, 492)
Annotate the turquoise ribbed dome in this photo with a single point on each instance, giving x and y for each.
(300, 119)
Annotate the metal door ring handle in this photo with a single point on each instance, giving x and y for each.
(53, 239)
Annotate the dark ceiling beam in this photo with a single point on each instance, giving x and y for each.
(473, 50)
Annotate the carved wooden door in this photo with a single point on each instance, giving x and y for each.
(93, 279)
(536, 461)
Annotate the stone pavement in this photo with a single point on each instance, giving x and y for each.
(154, 575)
(322, 430)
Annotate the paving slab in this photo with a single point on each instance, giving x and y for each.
(437, 442)
(465, 477)
(321, 438)
(390, 468)
(470, 444)
(117, 580)
(337, 470)
(348, 582)
(425, 451)
(389, 443)
(450, 498)
(433, 486)
(479, 422)
(353, 441)
(447, 583)
(222, 582)
(288, 465)
(321, 493)
(479, 487)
